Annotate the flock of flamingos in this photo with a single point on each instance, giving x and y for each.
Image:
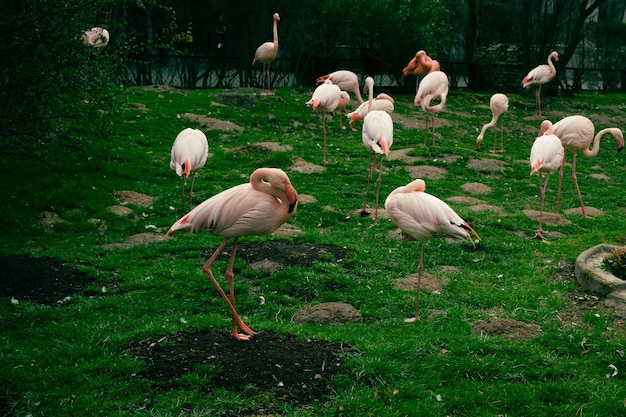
(268, 200)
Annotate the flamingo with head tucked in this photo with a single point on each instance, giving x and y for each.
(433, 86)
(258, 207)
(266, 54)
(539, 76)
(189, 154)
(546, 155)
(382, 102)
(576, 134)
(423, 217)
(345, 80)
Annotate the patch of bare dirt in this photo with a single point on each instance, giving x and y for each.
(509, 328)
(134, 240)
(327, 313)
(403, 155)
(300, 165)
(262, 147)
(213, 124)
(430, 283)
(426, 171)
(549, 218)
(485, 164)
(294, 370)
(133, 197)
(487, 207)
(591, 211)
(466, 200)
(238, 99)
(476, 188)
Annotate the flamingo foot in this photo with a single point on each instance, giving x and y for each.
(500, 150)
(539, 236)
(412, 319)
(241, 336)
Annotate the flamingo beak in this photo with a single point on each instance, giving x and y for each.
(292, 196)
(620, 143)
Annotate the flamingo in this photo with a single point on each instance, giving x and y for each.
(539, 76)
(420, 64)
(576, 133)
(255, 208)
(96, 37)
(266, 53)
(434, 84)
(325, 99)
(345, 80)
(344, 100)
(499, 104)
(377, 137)
(423, 216)
(546, 155)
(189, 154)
(382, 102)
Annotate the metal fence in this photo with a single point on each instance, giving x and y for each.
(230, 72)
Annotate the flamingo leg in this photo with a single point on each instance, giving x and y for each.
(501, 129)
(538, 101)
(558, 193)
(378, 181)
(207, 271)
(324, 130)
(364, 212)
(426, 130)
(580, 198)
(432, 117)
(419, 285)
(182, 188)
(542, 195)
(193, 180)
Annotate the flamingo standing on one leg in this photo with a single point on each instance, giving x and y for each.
(377, 137)
(382, 102)
(539, 76)
(255, 208)
(325, 99)
(434, 85)
(499, 104)
(423, 216)
(189, 154)
(576, 133)
(345, 80)
(546, 155)
(266, 53)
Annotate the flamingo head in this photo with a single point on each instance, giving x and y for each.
(383, 143)
(292, 196)
(321, 79)
(479, 140)
(353, 117)
(620, 140)
(546, 128)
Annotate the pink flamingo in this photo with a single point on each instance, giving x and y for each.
(499, 104)
(189, 154)
(266, 53)
(377, 137)
(420, 65)
(434, 85)
(539, 76)
(96, 37)
(382, 102)
(325, 99)
(345, 80)
(576, 134)
(546, 155)
(423, 216)
(255, 208)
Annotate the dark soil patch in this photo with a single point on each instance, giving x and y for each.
(45, 280)
(238, 100)
(293, 370)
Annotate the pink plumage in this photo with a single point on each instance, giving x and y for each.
(189, 154)
(325, 100)
(382, 102)
(576, 134)
(499, 104)
(433, 86)
(423, 217)
(420, 64)
(255, 208)
(546, 156)
(539, 76)
(266, 54)
(345, 80)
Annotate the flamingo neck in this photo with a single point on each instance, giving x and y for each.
(596, 142)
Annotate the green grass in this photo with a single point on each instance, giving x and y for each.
(66, 360)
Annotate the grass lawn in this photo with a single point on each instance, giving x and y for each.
(102, 316)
